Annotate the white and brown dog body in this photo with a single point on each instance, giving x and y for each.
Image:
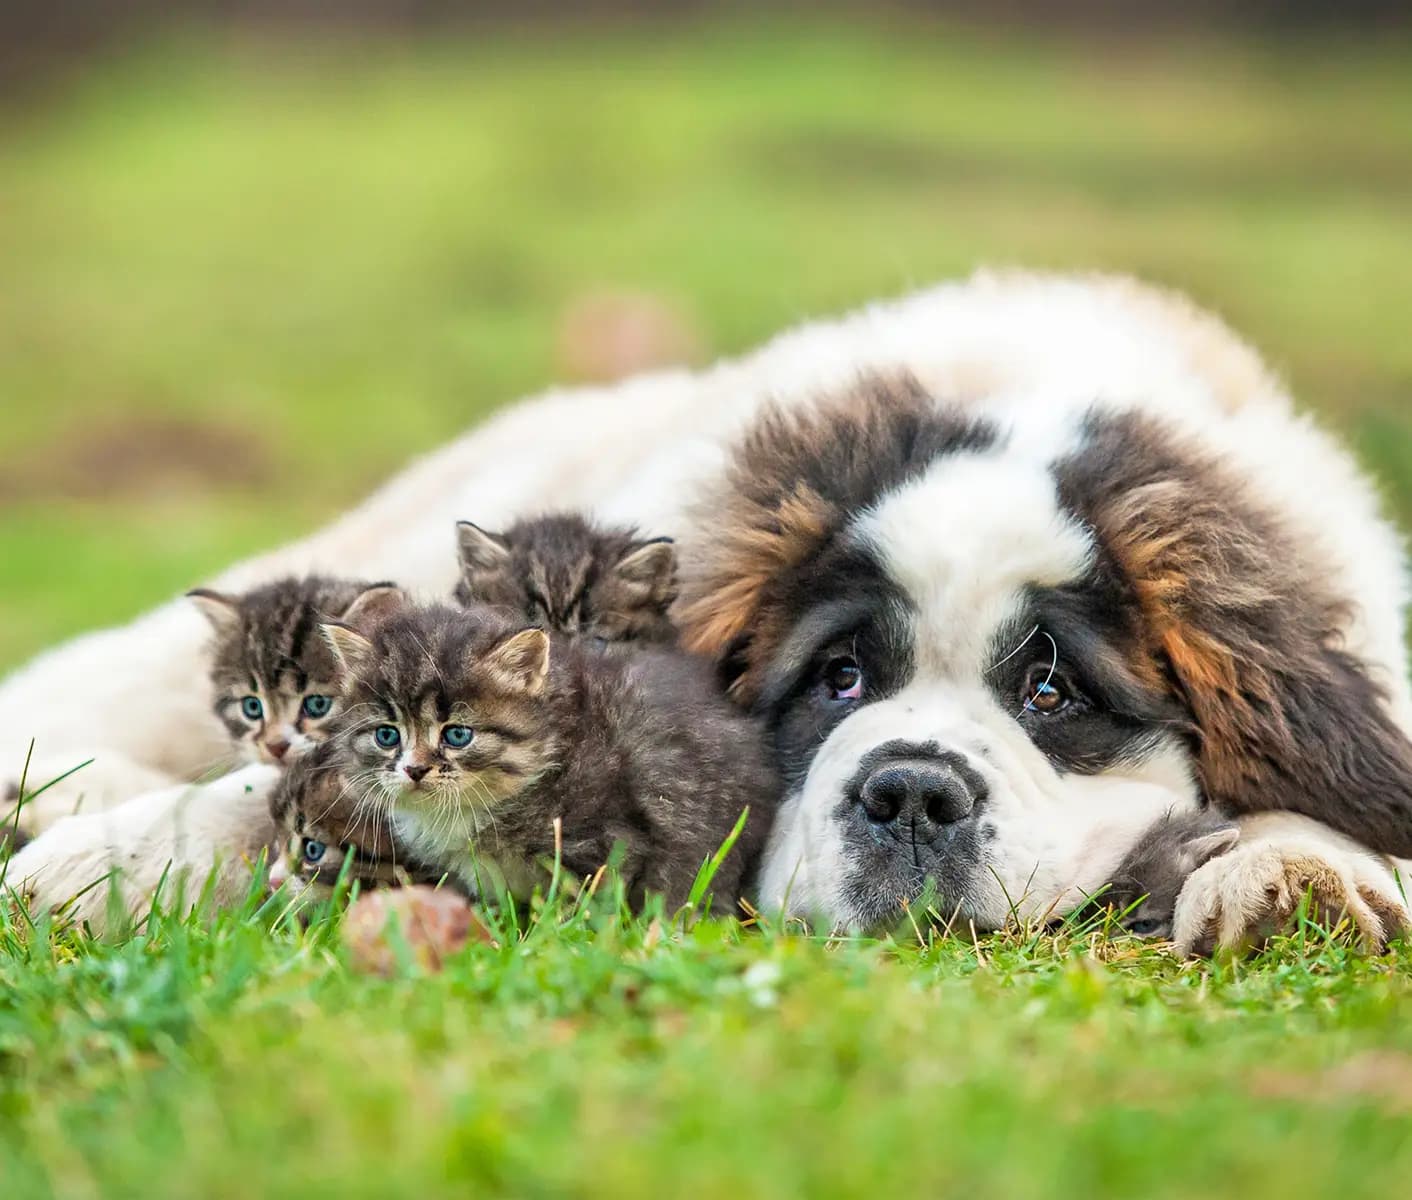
(1013, 566)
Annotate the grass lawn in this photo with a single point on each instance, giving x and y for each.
(242, 283)
(594, 1058)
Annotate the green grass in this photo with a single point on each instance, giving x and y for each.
(595, 1056)
(333, 259)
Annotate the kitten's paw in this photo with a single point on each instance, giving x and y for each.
(1252, 892)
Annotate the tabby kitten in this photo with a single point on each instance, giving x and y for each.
(476, 734)
(320, 825)
(1147, 882)
(569, 576)
(274, 677)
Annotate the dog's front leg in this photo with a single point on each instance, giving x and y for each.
(170, 844)
(1252, 892)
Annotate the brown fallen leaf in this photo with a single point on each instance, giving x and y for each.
(432, 922)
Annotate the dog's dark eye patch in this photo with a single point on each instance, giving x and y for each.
(1113, 716)
(831, 624)
(848, 608)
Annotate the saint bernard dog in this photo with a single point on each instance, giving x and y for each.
(1012, 568)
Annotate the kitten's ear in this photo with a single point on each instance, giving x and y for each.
(372, 604)
(521, 660)
(480, 550)
(1203, 848)
(650, 568)
(222, 611)
(351, 648)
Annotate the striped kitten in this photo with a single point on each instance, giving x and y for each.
(556, 569)
(320, 826)
(475, 734)
(275, 679)
(569, 576)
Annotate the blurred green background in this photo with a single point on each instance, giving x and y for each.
(246, 276)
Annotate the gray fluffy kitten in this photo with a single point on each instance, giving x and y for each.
(1147, 882)
(570, 576)
(475, 734)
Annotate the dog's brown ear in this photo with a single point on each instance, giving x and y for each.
(727, 616)
(1246, 635)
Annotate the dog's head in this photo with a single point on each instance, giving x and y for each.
(992, 655)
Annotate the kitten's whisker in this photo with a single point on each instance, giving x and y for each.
(427, 654)
(487, 802)
(349, 783)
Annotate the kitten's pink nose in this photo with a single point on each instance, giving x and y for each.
(277, 747)
(416, 772)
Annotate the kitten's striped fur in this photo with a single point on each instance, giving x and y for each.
(321, 824)
(475, 734)
(274, 678)
(567, 575)
(558, 569)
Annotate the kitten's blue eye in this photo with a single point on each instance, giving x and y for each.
(386, 736)
(251, 708)
(1147, 927)
(317, 706)
(314, 851)
(457, 736)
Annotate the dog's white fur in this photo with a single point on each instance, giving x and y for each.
(1026, 349)
(169, 844)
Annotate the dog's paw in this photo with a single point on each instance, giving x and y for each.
(62, 787)
(1251, 893)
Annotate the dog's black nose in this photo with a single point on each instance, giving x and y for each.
(920, 790)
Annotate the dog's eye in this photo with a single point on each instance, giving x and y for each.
(842, 678)
(1044, 691)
